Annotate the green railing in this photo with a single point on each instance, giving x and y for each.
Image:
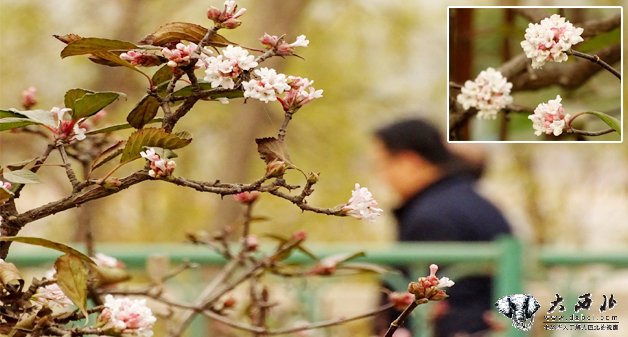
(505, 255)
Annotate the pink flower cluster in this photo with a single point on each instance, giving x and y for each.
(280, 46)
(300, 93)
(227, 17)
(362, 205)
(222, 70)
(127, 317)
(51, 296)
(180, 55)
(6, 186)
(159, 167)
(140, 58)
(549, 40)
(550, 118)
(430, 287)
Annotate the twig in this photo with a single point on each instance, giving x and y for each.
(284, 126)
(402, 317)
(590, 133)
(68, 168)
(595, 59)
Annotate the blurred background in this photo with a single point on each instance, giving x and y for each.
(377, 61)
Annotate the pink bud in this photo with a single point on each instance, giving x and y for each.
(213, 14)
(269, 41)
(28, 97)
(251, 243)
(231, 23)
(247, 197)
(300, 235)
(433, 270)
(275, 168)
(400, 300)
(229, 303)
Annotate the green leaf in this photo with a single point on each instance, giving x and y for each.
(72, 95)
(10, 278)
(21, 177)
(228, 93)
(91, 103)
(117, 127)
(143, 112)
(150, 137)
(72, 275)
(164, 74)
(12, 120)
(612, 122)
(178, 31)
(91, 45)
(48, 244)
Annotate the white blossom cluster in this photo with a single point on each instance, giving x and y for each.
(127, 316)
(362, 205)
(549, 40)
(488, 93)
(550, 118)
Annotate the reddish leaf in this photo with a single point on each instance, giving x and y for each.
(179, 31)
(91, 45)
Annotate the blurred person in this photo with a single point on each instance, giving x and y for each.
(438, 202)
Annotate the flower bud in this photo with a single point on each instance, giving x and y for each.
(276, 168)
(299, 236)
(400, 300)
(231, 23)
(28, 97)
(251, 243)
(229, 303)
(213, 14)
(247, 198)
(312, 178)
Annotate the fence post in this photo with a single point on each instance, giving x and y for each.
(509, 278)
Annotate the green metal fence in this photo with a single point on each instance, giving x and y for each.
(506, 256)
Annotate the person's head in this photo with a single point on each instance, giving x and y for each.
(411, 154)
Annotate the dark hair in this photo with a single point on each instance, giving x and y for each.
(422, 138)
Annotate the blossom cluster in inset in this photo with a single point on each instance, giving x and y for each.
(549, 40)
(488, 93)
(550, 118)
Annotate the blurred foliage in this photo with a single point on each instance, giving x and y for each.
(376, 60)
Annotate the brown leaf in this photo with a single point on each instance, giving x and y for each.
(178, 31)
(68, 38)
(72, 275)
(90, 45)
(10, 278)
(272, 149)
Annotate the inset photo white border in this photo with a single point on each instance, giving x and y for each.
(554, 78)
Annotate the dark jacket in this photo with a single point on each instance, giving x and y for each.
(451, 210)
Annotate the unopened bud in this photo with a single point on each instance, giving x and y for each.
(276, 168)
(213, 14)
(247, 197)
(400, 300)
(312, 178)
(251, 243)
(28, 97)
(299, 236)
(231, 23)
(229, 303)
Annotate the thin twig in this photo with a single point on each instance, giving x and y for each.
(595, 59)
(403, 315)
(68, 168)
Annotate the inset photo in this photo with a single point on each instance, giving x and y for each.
(542, 74)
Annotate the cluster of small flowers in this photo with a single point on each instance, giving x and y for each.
(488, 93)
(550, 118)
(67, 129)
(362, 205)
(300, 93)
(159, 167)
(127, 317)
(222, 70)
(549, 40)
(228, 16)
(430, 287)
(180, 55)
(52, 296)
(267, 85)
(280, 46)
